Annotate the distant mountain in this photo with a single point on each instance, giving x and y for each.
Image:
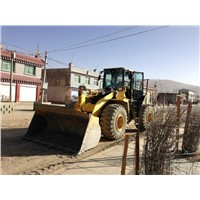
(172, 86)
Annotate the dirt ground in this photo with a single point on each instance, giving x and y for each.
(19, 156)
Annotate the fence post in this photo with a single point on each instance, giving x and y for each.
(185, 134)
(137, 153)
(178, 104)
(123, 170)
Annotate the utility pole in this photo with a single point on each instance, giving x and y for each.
(44, 78)
(13, 56)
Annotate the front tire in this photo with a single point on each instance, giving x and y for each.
(145, 117)
(113, 121)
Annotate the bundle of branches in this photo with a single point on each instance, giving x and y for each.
(191, 139)
(160, 141)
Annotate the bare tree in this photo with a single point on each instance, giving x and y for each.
(160, 141)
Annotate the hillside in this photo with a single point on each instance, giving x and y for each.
(173, 86)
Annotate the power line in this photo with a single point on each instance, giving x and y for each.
(82, 46)
(76, 44)
(113, 39)
(19, 48)
(25, 50)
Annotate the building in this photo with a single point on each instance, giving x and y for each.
(25, 76)
(197, 101)
(63, 83)
(167, 98)
(190, 95)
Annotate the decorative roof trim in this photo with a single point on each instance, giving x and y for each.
(22, 58)
(20, 79)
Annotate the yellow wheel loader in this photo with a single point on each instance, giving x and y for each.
(104, 112)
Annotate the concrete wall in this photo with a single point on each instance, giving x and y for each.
(19, 69)
(38, 73)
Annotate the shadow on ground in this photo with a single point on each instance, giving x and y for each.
(13, 144)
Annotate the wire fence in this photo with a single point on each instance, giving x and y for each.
(185, 166)
(175, 164)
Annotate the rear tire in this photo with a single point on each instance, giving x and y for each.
(113, 121)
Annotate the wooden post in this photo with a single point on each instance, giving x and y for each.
(123, 170)
(178, 105)
(137, 153)
(185, 134)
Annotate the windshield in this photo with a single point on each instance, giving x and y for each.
(113, 78)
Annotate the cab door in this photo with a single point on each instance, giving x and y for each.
(138, 79)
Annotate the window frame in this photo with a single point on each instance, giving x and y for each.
(27, 73)
(95, 82)
(87, 80)
(77, 78)
(7, 62)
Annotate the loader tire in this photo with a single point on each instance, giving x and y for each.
(113, 121)
(145, 117)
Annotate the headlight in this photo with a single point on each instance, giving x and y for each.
(120, 89)
(82, 87)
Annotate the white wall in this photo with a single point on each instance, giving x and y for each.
(5, 90)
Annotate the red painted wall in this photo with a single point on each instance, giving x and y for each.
(38, 92)
(17, 92)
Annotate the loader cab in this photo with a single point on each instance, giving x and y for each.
(115, 78)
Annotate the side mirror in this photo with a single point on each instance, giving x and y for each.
(99, 77)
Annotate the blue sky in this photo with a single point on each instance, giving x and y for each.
(168, 53)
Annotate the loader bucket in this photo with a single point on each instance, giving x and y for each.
(68, 129)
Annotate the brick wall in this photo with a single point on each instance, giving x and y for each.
(58, 77)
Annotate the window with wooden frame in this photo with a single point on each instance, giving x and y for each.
(29, 70)
(5, 65)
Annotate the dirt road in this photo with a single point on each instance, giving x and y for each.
(19, 156)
